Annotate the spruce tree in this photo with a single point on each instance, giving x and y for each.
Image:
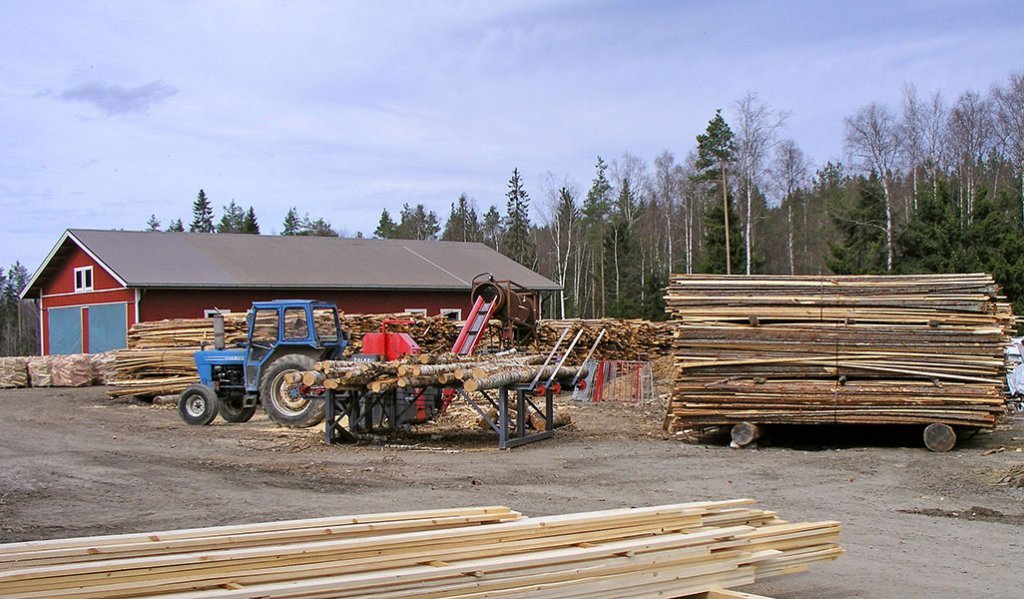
(596, 208)
(292, 223)
(861, 224)
(176, 226)
(386, 227)
(518, 244)
(462, 223)
(153, 224)
(249, 224)
(233, 219)
(202, 214)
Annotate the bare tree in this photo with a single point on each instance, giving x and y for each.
(790, 172)
(561, 214)
(871, 141)
(757, 128)
(667, 188)
(1009, 122)
(971, 138)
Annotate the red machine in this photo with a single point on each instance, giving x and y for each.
(390, 346)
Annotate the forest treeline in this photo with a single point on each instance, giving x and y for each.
(934, 184)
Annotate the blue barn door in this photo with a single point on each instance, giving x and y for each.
(108, 327)
(65, 330)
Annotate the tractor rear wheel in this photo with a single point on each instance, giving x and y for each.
(198, 405)
(282, 401)
(234, 410)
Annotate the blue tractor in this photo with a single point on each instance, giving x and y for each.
(284, 336)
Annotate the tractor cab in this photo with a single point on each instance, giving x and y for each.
(284, 336)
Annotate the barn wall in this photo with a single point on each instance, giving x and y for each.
(157, 304)
(108, 297)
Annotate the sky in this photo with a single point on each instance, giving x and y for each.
(113, 111)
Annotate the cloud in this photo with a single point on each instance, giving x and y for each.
(115, 99)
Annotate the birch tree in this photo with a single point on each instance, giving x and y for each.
(871, 141)
(790, 172)
(1009, 120)
(971, 139)
(757, 127)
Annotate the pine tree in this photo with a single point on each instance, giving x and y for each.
(716, 151)
(202, 215)
(994, 244)
(233, 219)
(153, 224)
(316, 228)
(250, 225)
(176, 226)
(292, 223)
(518, 244)
(386, 227)
(417, 223)
(933, 241)
(713, 257)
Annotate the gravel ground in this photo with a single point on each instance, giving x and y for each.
(916, 524)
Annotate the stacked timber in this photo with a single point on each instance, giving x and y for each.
(185, 332)
(849, 350)
(152, 372)
(670, 551)
(73, 370)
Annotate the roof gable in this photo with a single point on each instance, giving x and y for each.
(184, 260)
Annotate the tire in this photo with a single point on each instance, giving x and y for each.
(284, 408)
(198, 405)
(233, 410)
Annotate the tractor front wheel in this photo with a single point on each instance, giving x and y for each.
(198, 405)
(282, 401)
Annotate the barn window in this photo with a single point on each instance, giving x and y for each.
(83, 279)
(452, 313)
(422, 311)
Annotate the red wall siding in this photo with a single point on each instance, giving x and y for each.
(157, 304)
(59, 292)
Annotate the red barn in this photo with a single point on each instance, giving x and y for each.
(95, 284)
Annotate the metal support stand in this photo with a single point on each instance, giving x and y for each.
(509, 437)
(351, 412)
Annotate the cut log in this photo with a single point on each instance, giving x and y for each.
(745, 433)
(939, 437)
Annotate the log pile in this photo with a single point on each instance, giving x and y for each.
(13, 372)
(623, 339)
(152, 372)
(849, 350)
(670, 551)
(474, 373)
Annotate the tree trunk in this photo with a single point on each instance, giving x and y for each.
(789, 220)
(725, 206)
(748, 226)
(888, 224)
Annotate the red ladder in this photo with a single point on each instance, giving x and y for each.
(474, 328)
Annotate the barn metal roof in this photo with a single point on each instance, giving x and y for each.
(204, 260)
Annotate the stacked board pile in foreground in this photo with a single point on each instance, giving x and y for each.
(669, 551)
(849, 350)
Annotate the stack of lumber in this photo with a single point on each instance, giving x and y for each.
(849, 350)
(152, 372)
(13, 372)
(670, 551)
(185, 332)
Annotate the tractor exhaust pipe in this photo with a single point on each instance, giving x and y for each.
(218, 330)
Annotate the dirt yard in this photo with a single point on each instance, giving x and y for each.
(916, 524)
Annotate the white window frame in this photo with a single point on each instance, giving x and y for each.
(211, 312)
(80, 275)
(422, 311)
(448, 311)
